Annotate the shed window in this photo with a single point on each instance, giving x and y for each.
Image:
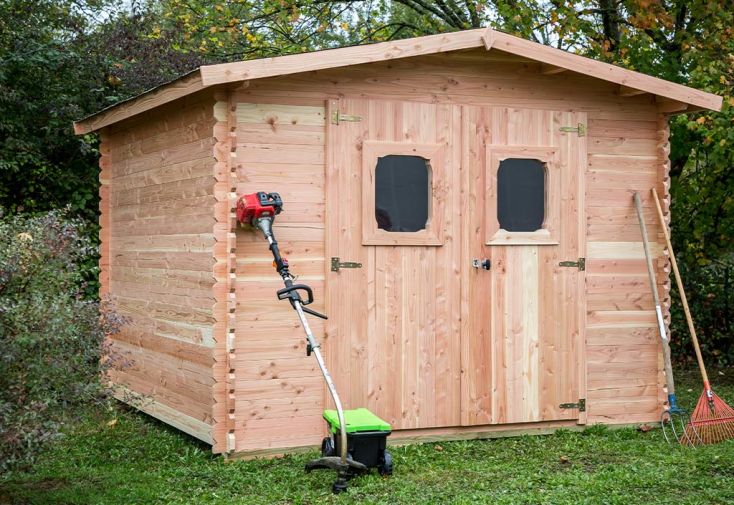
(521, 194)
(402, 193)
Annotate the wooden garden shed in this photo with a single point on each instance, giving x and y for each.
(483, 184)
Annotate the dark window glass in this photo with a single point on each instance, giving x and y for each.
(520, 194)
(401, 193)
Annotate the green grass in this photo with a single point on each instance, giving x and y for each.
(139, 460)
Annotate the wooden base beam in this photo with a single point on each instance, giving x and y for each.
(431, 435)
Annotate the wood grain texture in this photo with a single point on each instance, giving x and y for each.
(224, 272)
(147, 101)
(394, 322)
(170, 215)
(157, 247)
(523, 338)
(277, 389)
(628, 79)
(552, 62)
(622, 349)
(105, 229)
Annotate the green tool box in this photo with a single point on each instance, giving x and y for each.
(366, 438)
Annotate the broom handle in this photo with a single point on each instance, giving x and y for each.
(682, 291)
(656, 299)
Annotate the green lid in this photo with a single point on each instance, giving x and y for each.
(357, 420)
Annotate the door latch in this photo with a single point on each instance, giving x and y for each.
(483, 263)
(336, 265)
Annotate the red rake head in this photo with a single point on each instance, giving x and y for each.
(711, 422)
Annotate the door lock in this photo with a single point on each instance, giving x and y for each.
(484, 263)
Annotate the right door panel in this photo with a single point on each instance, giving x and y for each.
(522, 320)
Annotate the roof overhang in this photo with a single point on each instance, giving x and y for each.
(672, 97)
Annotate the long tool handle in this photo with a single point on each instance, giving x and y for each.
(266, 226)
(316, 349)
(658, 310)
(682, 291)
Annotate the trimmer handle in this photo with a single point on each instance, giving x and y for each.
(291, 293)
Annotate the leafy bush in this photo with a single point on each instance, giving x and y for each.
(52, 339)
(709, 293)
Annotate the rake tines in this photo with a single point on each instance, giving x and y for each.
(712, 421)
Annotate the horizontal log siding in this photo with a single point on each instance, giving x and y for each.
(624, 360)
(278, 391)
(279, 148)
(157, 239)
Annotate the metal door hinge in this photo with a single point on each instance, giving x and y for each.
(580, 129)
(581, 405)
(336, 265)
(337, 117)
(580, 264)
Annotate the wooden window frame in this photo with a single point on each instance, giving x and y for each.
(549, 233)
(432, 234)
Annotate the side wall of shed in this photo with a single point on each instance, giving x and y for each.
(157, 219)
(279, 145)
(624, 361)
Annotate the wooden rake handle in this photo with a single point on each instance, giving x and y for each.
(682, 291)
(654, 287)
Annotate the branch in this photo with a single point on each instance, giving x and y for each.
(421, 7)
(454, 13)
(471, 6)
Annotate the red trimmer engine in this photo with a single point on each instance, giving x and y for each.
(251, 208)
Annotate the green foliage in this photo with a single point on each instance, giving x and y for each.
(47, 78)
(59, 63)
(50, 337)
(115, 457)
(710, 292)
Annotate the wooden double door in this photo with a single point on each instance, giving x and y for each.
(422, 330)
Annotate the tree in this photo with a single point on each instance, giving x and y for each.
(46, 79)
(61, 60)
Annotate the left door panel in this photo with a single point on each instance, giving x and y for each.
(393, 332)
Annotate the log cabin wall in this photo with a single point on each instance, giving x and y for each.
(278, 390)
(280, 145)
(157, 217)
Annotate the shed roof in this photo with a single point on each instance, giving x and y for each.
(631, 83)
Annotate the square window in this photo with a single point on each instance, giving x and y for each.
(522, 185)
(401, 193)
(521, 194)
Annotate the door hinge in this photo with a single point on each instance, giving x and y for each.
(336, 265)
(581, 405)
(580, 129)
(580, 264)
(337, 117)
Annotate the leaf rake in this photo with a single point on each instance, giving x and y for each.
(712, 420)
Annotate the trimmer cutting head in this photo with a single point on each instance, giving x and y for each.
(256, 206)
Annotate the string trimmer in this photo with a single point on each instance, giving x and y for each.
(712, 420)
(360, 443)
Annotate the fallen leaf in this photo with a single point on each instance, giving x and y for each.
(644, 428)
(438, 448)
(112, 423)
(564, 460)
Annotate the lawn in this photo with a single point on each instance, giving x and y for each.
(119, 456)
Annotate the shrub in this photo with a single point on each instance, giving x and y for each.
(709, 292)
(52, 339)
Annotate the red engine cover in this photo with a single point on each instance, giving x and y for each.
(254, 206)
